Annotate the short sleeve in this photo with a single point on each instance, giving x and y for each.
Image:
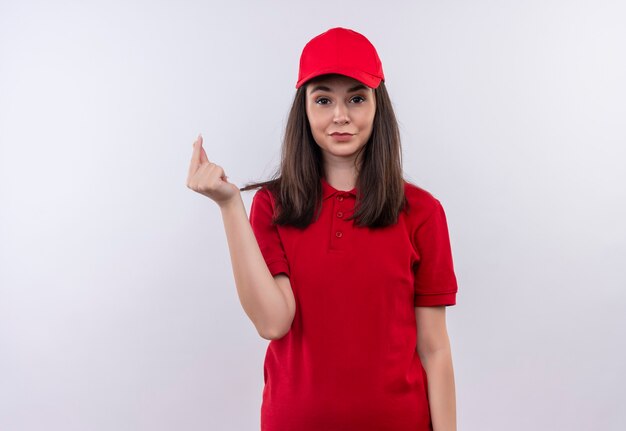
(266, 233)
(435, 280)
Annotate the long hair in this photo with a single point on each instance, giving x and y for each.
(296, 185)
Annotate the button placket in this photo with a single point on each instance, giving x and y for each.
(338, 240)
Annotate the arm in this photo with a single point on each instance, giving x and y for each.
(268, 301)
(433, 347)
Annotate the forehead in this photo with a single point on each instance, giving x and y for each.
(334, 81)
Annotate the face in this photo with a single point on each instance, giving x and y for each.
(337, 104)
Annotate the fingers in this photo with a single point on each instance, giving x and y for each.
(200, 161)
(202, 153)
(198, 156)
(203, 157)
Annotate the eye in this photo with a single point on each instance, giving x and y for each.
(359, 97)
(320, 99)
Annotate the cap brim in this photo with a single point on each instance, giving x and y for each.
(367, 79)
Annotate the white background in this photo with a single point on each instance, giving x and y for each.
(118, 309)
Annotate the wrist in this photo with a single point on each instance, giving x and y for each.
(230, 204)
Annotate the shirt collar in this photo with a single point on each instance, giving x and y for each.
(328, 190)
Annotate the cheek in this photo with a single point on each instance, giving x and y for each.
(366, 120)
(371, 117)
(316, 122)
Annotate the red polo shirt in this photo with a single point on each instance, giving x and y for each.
(349, 361)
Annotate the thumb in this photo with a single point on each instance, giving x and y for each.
(203, 156)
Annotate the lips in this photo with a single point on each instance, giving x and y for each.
(342, 137)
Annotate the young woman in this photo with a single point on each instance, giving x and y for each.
(345, 266)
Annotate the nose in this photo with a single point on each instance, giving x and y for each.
(341, 114)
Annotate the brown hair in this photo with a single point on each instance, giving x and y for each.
(296, 184)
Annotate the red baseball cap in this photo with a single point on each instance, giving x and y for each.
(343, 51)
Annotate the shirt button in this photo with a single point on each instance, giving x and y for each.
(340, 198)
(339, 234)
(339, 214)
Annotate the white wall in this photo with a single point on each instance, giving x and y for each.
(118, 309)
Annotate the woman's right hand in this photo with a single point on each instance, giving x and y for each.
(209, 179)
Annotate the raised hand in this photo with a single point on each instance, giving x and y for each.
(209, 179)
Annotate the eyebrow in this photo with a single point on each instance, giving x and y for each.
(350, 90)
